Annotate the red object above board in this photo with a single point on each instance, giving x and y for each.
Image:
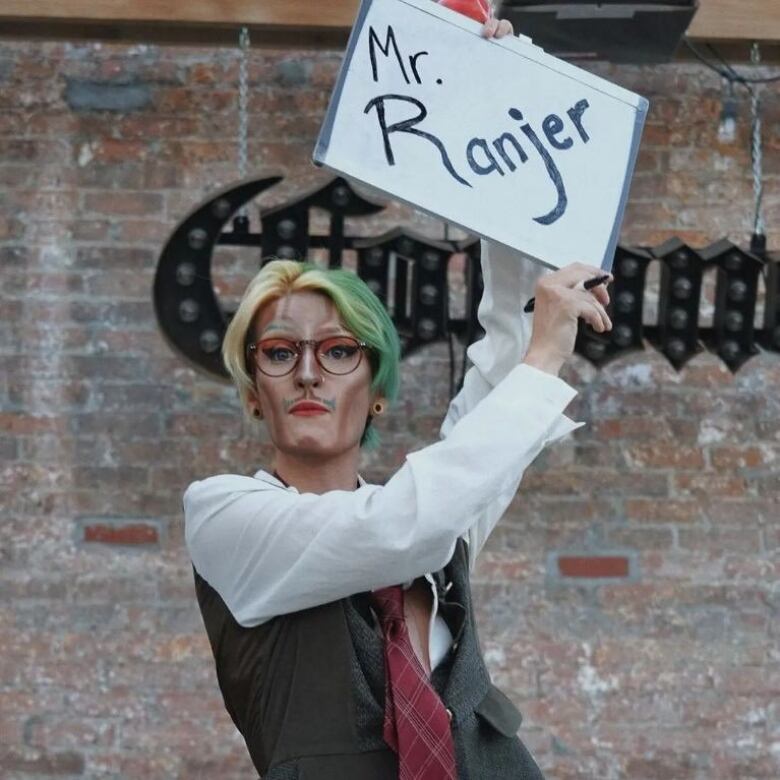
(479, 10)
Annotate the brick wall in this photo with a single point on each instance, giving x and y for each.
(628, 600)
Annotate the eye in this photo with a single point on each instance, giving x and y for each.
(279, 352)
(339, 349)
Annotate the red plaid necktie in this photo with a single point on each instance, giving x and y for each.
(417, 725)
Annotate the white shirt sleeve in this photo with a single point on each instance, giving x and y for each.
(268, 551)
(509, 281)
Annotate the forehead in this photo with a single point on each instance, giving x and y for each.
(305, 312)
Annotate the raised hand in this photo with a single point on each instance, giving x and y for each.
(560, 302)
(497, 28)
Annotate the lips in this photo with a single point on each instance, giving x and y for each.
(307, 407)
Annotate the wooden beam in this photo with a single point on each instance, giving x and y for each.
(292, 23)
(187, 35)
(288, 13)
(278, 23)
(736, 20)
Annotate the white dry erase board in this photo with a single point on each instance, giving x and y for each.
(494, 136)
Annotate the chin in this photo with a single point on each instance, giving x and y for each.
(312, 447)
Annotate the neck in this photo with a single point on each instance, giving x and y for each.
(317, 474)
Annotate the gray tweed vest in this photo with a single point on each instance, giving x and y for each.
(306, 690)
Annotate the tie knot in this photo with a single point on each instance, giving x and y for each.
(388, 603)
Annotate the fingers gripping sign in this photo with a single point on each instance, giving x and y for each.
(497, 28)
(481, 11)
(561, 301)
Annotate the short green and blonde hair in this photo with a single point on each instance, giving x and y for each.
(361, 312)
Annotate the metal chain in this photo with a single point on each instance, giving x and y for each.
(756, 149)
(243, 103)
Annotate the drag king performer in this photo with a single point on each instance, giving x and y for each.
(339, 612)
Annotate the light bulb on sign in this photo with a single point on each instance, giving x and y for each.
(727, 129)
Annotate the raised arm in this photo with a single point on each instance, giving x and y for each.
(269, 551)
(509, 281)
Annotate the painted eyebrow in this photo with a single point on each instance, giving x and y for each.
(334, 331)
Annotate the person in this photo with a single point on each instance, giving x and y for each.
(339, 612)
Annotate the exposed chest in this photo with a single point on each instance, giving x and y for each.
(418, 605)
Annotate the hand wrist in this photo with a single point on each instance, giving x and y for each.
(550, 364)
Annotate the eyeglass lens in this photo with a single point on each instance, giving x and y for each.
(337, 355)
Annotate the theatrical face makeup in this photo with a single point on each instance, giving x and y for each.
(347, 397)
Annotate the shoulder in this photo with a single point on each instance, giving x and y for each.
(221, 484)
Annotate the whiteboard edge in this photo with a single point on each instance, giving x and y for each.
(323, 140)
(639, 123)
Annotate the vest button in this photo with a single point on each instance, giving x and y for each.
(449, 713)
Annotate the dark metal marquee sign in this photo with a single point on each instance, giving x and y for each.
(408, 273)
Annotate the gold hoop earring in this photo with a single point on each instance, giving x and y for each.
(378, 408)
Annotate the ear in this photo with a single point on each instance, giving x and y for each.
(254, 405)
(378, 405)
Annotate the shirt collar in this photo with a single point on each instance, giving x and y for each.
(265, 476)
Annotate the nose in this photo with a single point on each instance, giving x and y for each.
(308, 372)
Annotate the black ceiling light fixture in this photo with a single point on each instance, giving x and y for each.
(614, 30)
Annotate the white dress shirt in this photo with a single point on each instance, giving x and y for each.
(269, 550)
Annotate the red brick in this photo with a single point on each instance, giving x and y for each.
(629, 428)
(643, 539)
(46, 206)
(494, 567)
(664, 511)
(705, 485)
(15, 175)
(101, 175)
(30, 151)
(145, 503)
(37, 762)
(194, 152)
(598, 482)
(660, 455)
(729, 458)
(593, 566)
(120, 284)
(131, 533)
(661, 766)
(104, 256)
(73, 735)
(655, 135)
(90, 230)
(148, 231)
(28, 423)
(113, 150)
(123, 203)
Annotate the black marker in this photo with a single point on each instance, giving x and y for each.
(589, 284)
